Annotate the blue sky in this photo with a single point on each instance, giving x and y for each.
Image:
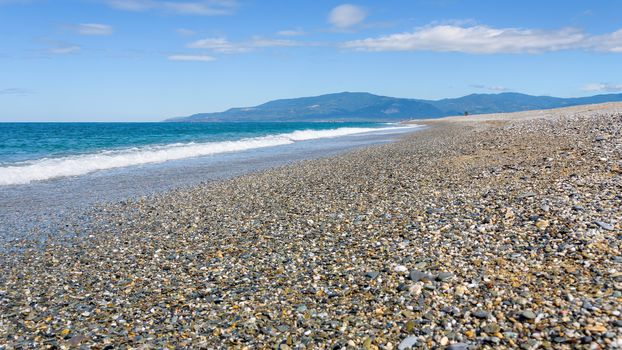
(142, 60)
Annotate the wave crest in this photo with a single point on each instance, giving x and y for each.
(49, 168)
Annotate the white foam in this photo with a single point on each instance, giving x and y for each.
(49, 168)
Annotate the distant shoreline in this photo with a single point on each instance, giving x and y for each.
(362, 106)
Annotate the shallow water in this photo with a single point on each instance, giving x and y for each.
(46, 207)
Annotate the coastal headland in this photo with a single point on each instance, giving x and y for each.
(493, 231)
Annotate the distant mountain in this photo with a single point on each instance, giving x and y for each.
(362, 106)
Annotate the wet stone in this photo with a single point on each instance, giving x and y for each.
(416, 276)
(481, 314)
(372, 274)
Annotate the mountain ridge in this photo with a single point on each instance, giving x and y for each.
(364, 106)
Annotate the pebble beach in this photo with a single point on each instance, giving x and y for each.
(498, 231)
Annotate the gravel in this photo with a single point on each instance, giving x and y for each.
(482, 210)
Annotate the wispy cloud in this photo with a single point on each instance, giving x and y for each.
(185, 32)
(62, 48)
(291, 32)
(192, 58)
(93, 29)
(611, 42)
(222, 45)
(346, 16)
(602, 87)
(205, 7)
(477, 39)
(495, 88)
(15, 91)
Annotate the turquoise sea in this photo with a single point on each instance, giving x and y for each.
(42, 151)
(52, 174)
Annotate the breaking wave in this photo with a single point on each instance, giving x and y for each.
(49, 168)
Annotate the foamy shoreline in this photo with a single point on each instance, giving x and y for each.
(51, 168)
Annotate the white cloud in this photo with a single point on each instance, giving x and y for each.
(15, 91)
(222, 45)
(602, 87)
(346, 15)
(192, 58)
(291, 32)
(477, 39)
(64, 49)
(205, 7)
(218, 45)
(185, 32)
(93, 29)
(611, 42)
(263, 42)
(495, 88)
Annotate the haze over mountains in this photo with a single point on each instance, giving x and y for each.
(362, 106)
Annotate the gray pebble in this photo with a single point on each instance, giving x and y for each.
(604, 225)
(372, 274)
(481, 314)
(408, 343)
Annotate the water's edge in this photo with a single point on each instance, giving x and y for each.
(55, 206)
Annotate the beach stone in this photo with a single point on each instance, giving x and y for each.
(587, 339)
(604, 225)
(444, 276)
(429, 286)
(401, 269)
(542, 224)
(416, 276)
(481, 314)
(458, 346)
(527, 315)
(421, 265)
(372, 274)
(408, 343)
(491, 328)
(510, 335)
(524, 195)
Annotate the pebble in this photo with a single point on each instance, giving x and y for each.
(481, 314)
(372, 274)
(408, 343)
(401, 269)
(604, 225)
(444, 276)
(528, 315)
(416, 276)
(401, 243)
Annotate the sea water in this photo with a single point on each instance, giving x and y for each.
(41, 151)
(50, 173)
